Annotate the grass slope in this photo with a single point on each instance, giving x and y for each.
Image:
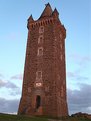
(7, 117)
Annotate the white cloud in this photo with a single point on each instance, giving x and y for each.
(18, 76)
(80, 100)
(1, 75)
(9, 88)
(77, 76)
(8, 106)
(7, 84)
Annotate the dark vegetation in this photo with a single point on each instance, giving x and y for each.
(8, 117)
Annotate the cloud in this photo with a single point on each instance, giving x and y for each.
(18, 76)
(8, 106)
(80, 58)
(87, 58)
(1, 75)
(7, 84)
(80, 100)
(11, 88)
(76, 76)
(80, 68)
(15, 92)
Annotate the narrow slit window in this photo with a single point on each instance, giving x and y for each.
(40, 39)
(41, 29)
(61, 56)
(38, 74)
(40, 51)
(61, 36)
(61, 46)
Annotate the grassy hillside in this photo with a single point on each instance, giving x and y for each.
(6, 117)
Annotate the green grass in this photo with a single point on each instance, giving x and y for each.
(76, 119)
(7, 117)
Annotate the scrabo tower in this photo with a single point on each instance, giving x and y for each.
(44, 82)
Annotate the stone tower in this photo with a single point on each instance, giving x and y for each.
(44, 81)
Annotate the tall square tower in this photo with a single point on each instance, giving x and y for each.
(44, 81)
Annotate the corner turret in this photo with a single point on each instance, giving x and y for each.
(55, 13)
(30, 20)
(47, 11)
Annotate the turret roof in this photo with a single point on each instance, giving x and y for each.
(47, 11)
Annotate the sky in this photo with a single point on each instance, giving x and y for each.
(76, 17)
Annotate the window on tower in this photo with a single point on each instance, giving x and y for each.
(60, 35)
(40, 39)
(38, 75)
(61, 46)
(41, 29)
(29, 89)
(40, 51)
(62, 91)
(47, 88)
(61, 56)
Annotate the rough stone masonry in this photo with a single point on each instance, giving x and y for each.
(44, 81)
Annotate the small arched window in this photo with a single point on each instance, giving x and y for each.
(40, 51)
(41, 29)
(40, 39)
(61, 57)
(38, 75)
(61, 36)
